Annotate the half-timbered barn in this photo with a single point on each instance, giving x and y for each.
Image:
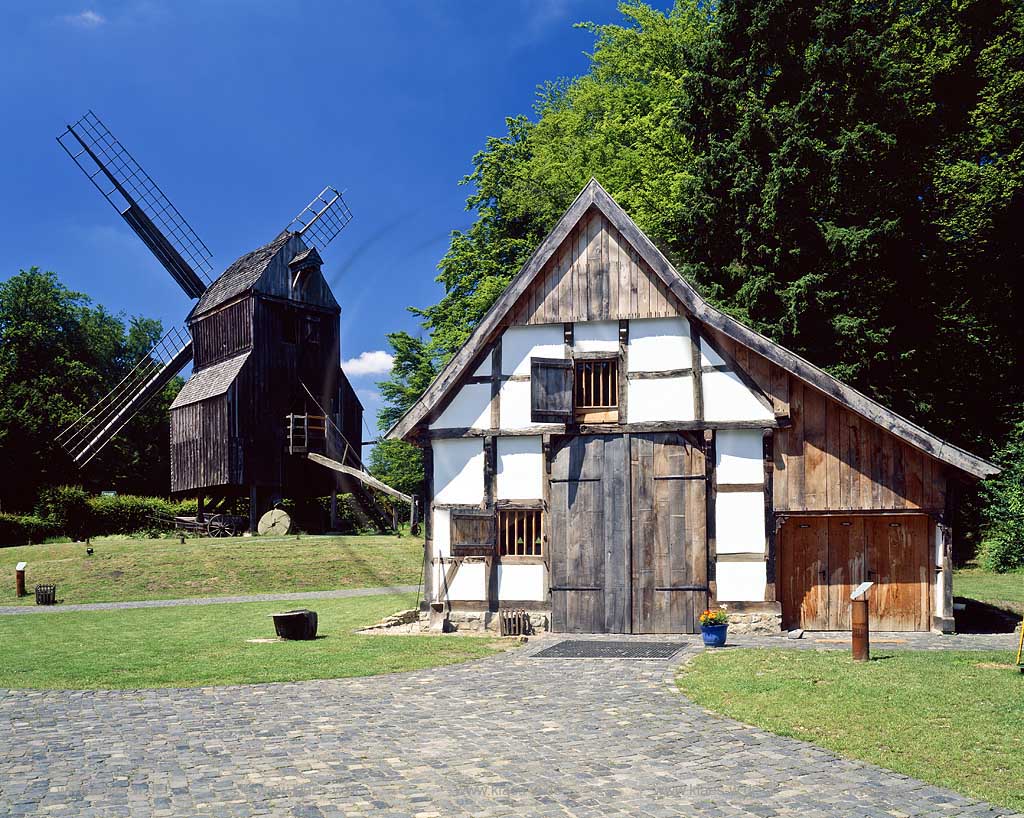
(609, 450)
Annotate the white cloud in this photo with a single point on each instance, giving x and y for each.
(85, 19)
(377, 362)
(367, 396)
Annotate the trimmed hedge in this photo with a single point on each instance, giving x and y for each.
(128, 514)
(71, 511)
(25, 529)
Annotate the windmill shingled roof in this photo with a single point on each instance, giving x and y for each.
(241, 275)
(210, 382)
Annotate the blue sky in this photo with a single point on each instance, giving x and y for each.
(242, 111)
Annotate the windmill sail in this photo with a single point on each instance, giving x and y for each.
(322, 219)
(84, 438)
(141, 203)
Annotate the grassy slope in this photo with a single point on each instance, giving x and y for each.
(206, 645)
(988, 587)
(126, 569)
(948, 718)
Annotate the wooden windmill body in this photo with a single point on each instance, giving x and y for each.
(267, 389)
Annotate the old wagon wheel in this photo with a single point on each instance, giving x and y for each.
(220, 526)
(275, 523)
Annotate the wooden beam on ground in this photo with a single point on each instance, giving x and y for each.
(362, 476)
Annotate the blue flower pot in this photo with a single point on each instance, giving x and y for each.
(714, 635)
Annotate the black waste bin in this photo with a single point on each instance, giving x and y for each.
(299, 624)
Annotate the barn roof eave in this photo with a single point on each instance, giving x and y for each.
(595, 195)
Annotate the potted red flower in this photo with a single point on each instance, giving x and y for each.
(713, 627)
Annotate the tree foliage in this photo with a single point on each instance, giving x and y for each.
(59, 354)
(1003, 547)
(846, 177)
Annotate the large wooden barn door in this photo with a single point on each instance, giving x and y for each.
(897, 560)
(588, 535)
(802, 581)
(846, 568)
(669, 546)
(823, 559)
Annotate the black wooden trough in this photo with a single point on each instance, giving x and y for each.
(300, 624)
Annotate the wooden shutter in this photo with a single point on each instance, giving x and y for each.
(551, 388)
(472, 533)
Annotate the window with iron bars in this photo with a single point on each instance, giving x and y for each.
(520, 532)
(597, 389)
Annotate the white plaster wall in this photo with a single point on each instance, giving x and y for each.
(514, 409)
(517, 582)
(726, 397)
(653, 399)
(441, 533)
(596, 336)
(658, 344)
(740, 581)
(469, 408)
(484, 370)
(739, 456)
(458, 470)
(441, 543)
(739, 522)
(519, 344)
(708, 357)
(520, 468)
(470, 582)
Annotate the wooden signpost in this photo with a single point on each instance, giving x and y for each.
(19, 579)
(859, 622)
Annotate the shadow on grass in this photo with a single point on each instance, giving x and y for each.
(981, 617)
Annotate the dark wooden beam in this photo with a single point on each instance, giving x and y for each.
(697, 370)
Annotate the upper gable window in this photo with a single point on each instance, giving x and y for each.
(585, 390)
(596, 386)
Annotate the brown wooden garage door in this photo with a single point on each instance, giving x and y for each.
(626, 534)
(822, 559)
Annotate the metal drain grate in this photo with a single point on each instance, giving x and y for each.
(594, 649)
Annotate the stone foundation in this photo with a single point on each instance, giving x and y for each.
(479, 623)
(767, 622)
(489, 621)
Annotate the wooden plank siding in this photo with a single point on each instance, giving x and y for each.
(203, 452)
(223, 333)
(594, 276)
(829, 458)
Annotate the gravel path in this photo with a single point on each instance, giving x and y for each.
(213, 600)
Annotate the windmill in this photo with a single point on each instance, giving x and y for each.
(267, 396)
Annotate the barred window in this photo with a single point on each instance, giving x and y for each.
(597, 389)
(520, 532)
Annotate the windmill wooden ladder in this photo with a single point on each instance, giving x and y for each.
(318, 437)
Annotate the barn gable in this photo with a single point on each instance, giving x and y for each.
(597, 265)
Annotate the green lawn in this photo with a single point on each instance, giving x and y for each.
(953, 719)
(987, 587)
(126, 569)
(192, 646)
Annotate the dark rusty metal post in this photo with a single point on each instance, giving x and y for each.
(19, 579)
(859, 618)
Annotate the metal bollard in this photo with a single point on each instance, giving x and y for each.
(859, 623)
